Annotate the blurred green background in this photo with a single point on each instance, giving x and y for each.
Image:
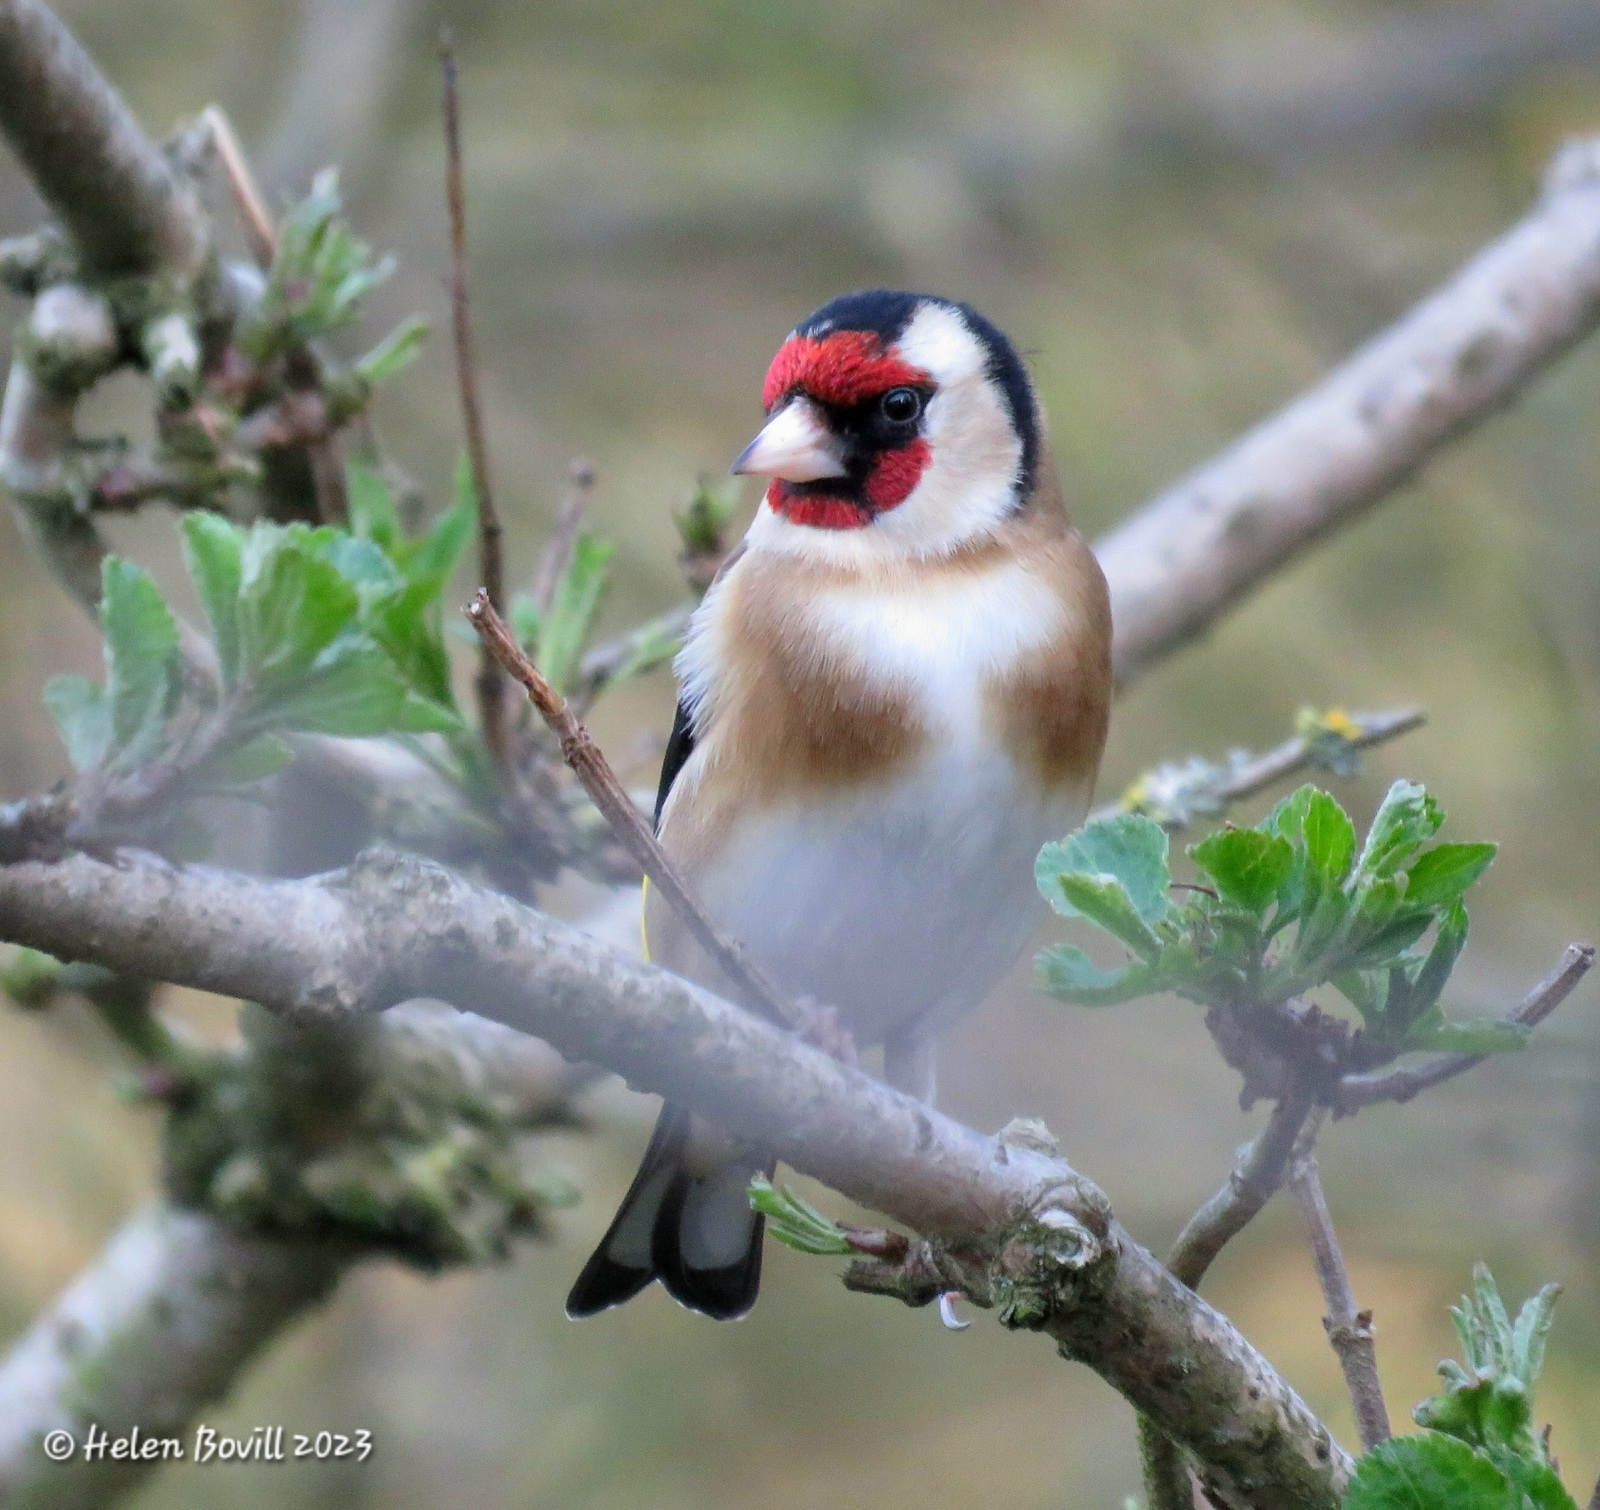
(1184, 211)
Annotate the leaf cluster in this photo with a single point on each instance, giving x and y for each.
(315, 631)
(1291, 904)
(318, 278)
(1479, 1450)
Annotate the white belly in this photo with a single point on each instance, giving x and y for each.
(900, 904)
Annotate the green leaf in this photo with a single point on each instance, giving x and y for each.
(795, 1222)
(1248, 865)
(1068, 974)
(1436, 1033)
(372, 511)
(255, 760)
(355, 692)
(1406, 819)
(1429, 1472)
(82, 716)
(564, 629)
(1529, 1334)
(142, 670)
(212, 552)
(294, 605)
(434, 556)
(1330, 837)
(1448, 943)
(1366, 990)
(1536, 1481)
(1104, 900)
(1130, 848)
(406, 624)
(1386, 942)
(397, 351)
(1445, 872)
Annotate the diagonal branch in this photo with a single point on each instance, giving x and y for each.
(390, 928)
(1356, 1091)
(1188, 556)
(1349, 1329)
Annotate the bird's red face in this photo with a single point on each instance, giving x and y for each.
(849, 376)
(897, 425)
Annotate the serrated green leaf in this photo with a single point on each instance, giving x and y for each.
(1530, 1332)
(82, 717)
(293, 606)
(564, 629)
(355, 692)
(212, 552)
(1248, 865)
(1537, 1482)
(1330, 837)
(1406, 819)
(372, 511)
(142, 670)
(1129, 847)
(1445, 872)
(1287, 819)
(1429, 1471)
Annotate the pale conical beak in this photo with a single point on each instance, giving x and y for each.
(795, 444)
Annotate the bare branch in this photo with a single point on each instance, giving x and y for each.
(557, 553)
(1356, 1091)
(491, 566)
(1468, 349)
(1349, 1330)
(391, 928)
(594, 771)
(190, 1299)
(1253, 1182)
(1176, 793)
(115, 194)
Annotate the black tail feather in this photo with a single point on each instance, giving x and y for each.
(694, 1232)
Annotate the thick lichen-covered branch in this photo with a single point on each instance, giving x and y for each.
(391, 928)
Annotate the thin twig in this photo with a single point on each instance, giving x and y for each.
(594, 771)
(557, 552)
(1175, 793)
(1356, 1091)
(491, 564)
(1252, 1183)
(1349, 1330)
(257, 219)
(605, 662)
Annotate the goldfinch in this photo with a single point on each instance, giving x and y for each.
(891, 696)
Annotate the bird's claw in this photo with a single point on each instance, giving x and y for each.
(947, 1312)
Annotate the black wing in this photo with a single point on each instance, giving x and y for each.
(680, 746)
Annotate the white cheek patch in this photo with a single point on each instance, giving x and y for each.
(967, 488)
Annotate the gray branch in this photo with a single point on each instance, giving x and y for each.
(113, 191)
(1467, 350)
(391, 928)
(189, 1303)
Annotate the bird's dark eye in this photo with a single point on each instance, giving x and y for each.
(901, 405)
